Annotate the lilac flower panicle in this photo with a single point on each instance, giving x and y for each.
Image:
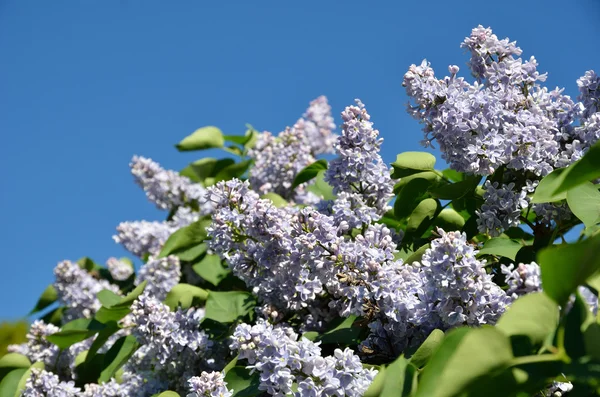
(42, 383)
(106, 389)
(119, 270)
(77, 290)
(318, 126)
(282, 359)
(37, 348)
(162, 274)
(165, 188)
(501, 208)
(208, 384)
(522, 279)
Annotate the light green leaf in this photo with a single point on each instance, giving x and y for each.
(185, 237)
(417, 255)
(25, 375)
(584, 170)
(119, 310)
(452, 191)
(48, 297)
(432, 177)
(501, 247)
(168, 393)
(108, 298)
(309, 172)
(226, 307)
(277, 200)
(202, 138)
(533, 315)
(465, 356)
(184, 295)
(321, 188)
(448, 219)
(584, 201)
(393, 383)
(545, 192)
(208, 167)
(211, 269)
(408, 163)
(75, 331)
(376, 386)
(9, 385)
(118, 355)
(426, 210)
(426, 350)
(567, 266)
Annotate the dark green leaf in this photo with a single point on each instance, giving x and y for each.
(236, 170)
(75, 331)
(534, 315)
(545, 191)
(584, 201)
(118, 355)
(432, 177)
(501, 247)
(184, 295)
(560, 281)
(309, 172)
(408, 163)
(464, 357)
(426, 350)
(186, 237)
(208, 167)
(577, 320)
(189, 254)
(48, 297)
(343, 334)
(211, 269)
(226, 307)
(242, 382)
(452, 191)
(202, 138)
(410, 197)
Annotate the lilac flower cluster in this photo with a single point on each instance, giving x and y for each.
(143, 238)
(282, 360)
(208, 384)
(173, 347)
(522, 279)
(37, 348)
(502, 207)
(42, 383)
(318, 125)
(119, 270)
(162, 274)
(449, 287)
(77, 289)
(165, 188)
(358, 175)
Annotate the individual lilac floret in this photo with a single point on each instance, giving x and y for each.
(522, 279)
(119, 270)
(358, 171)
(143, 238)
(506, 118)
(318, 126)
(552, 213)
(277, 161)
(282, 360)
(166, 188)
(77, 290)
(46, 384)
(173, 346)
(162, 274)
(208, 384)
(501, 208)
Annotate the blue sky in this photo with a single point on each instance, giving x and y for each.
(84, 85)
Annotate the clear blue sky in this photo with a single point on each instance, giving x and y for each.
(84, 85)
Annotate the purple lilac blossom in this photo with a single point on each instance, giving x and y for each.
(42, 383)
(119, 270)
(282, 359)
(208, 384)
(162, 274)
(318, 126)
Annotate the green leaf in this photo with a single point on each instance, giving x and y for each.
(23, 380)
(309, 172)
(582, 259)
(118, 355)
(583, 170)
(242, 382)
(202, 138)
(185, 237)
(230, 364)
(48, 297)
(233, 171)
(584, 201)
(426, 350)
(14, 360)
(277, 200)
(546, 190)
(432, 177)
(211, 269)
(321, 188)
(168, 393)
(108, 298)
(192, 253)
(426, 210)
(448, 219)
(577, 321)
(501, 247)
(75, 331)
(465, 356)
(208, 167)
(417, 255)
(410, 196)
(393, 383)
(185, 295)
(376, 386)
(533, 315)
(344, 333)
(408, 163)
(226, 307)
(453, 175)
(9, 386)
(119, 310)
(103, 336)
